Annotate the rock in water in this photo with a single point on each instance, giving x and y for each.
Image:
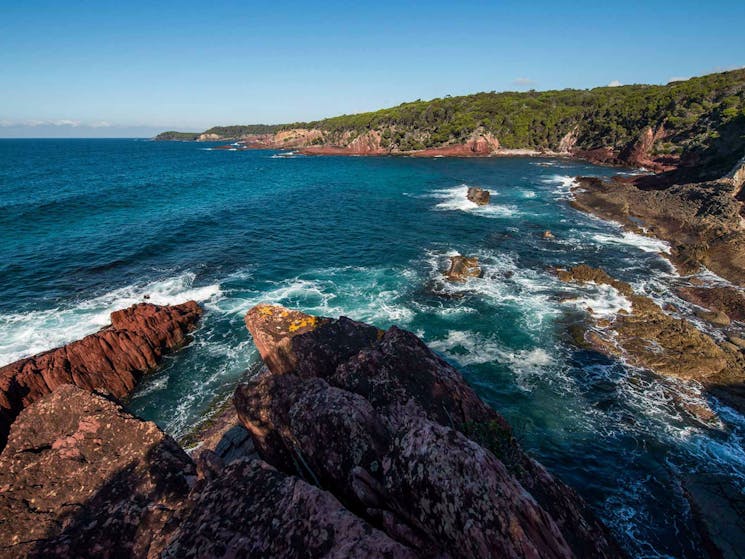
(399, 437)
(548, 235)
(80, 477)
(462, 267)
(113, 359)
(478, 196)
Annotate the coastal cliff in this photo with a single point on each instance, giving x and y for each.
(367, 445)
(688, 129)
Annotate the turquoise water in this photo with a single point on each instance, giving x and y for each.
(89, 226)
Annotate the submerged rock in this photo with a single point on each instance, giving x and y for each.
(80, 477)
(400, 438)
(462, 267)
(113, 359)
(478, 196)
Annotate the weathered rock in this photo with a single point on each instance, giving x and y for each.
(462, 267)
(251, 510)
(736, 341)
(649, 337)
(701, 220)
(340, 432)
(729, 300)
(717, 318)
(437, 488)
(113, 359)
(548, 235)
(478, 196)
(80, 477)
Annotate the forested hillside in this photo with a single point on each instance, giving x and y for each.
(692, 111)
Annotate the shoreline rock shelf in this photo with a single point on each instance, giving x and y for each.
(369, 445)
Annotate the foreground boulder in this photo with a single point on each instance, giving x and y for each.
(113, 359)
(478, 196)
(251, 510)
(399, 437)
(462, 267)
(80, 477)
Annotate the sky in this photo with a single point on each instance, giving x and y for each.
(131, 69)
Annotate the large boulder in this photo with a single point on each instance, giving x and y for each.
(113, 359)
(400, 438)
(80, 477)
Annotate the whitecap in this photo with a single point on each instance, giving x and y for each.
(642, 242)
(563, 184)
(603, 301)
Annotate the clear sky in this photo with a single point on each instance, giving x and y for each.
(133, 68)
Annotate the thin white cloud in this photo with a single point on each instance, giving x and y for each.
(60, 123)
(615, 83)
(523, 82)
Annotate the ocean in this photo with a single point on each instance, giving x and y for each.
(91, 226)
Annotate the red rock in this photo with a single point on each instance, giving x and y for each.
(341, 401)
(113, 359)
(80, 477)
(252, 510)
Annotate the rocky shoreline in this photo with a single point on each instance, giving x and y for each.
(111, 360)
(352, 442)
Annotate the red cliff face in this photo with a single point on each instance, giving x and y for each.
(479, 145)
(113, 359)
(636, 154)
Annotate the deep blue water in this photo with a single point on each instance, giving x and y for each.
(89, 226)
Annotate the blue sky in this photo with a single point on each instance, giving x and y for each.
(99, 68)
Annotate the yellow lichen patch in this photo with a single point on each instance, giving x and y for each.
(306, 321)
(265, 310)
(380, 334)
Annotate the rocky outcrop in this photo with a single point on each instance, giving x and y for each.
(723, 299)
(80, 477)
(463, 267)
(638, 153)
(568, 141)
(375, 447)
(650, 338)
(702, 221)
(398, 436)
(113, 359)
(249, 509)
(480, 144)
(478, 196)
(368, 143)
